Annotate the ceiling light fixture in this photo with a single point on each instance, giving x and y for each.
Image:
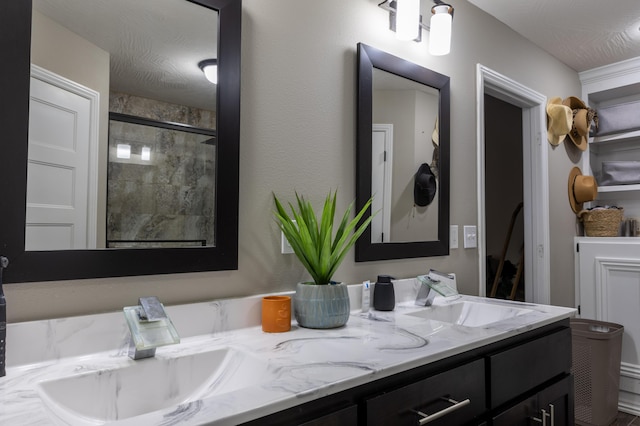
(406, 21)
(210, 69)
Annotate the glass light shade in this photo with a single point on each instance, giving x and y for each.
(440, 33)
(123, 150)
(407, 19)
(145, 155)
(211, 73)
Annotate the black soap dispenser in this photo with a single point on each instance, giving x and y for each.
(384, 297)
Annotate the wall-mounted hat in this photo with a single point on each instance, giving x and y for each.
(581, 189)
(581, 123)
(559, 121)
(424, 187)
(435, 135)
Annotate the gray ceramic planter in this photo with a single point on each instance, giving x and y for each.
(321, 306)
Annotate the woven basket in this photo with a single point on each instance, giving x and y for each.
(601, 222)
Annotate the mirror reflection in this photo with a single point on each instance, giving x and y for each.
(404, 159)
(96, 182)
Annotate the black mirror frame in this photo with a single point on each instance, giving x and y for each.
(368, 59)
(29, 266)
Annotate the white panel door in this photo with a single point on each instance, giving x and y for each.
(58, 168)
(381, 161)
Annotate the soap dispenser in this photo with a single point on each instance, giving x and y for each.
(384, 298)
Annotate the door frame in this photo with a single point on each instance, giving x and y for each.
(94, 120)
(535, 179)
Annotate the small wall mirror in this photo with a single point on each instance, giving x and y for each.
(403, 157)
(123, 157)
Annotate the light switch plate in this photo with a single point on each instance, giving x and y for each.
(453, 236)
(470, 236)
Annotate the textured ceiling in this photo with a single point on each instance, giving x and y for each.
(584, 34)
(154, 45)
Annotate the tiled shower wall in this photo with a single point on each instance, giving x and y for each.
(170, 196)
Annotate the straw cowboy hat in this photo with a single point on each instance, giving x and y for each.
(582, 116)
(559, 121)
(581, 189)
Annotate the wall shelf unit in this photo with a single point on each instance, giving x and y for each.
(607, 86)
(607, 270)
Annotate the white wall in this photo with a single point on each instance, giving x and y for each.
(298, 133)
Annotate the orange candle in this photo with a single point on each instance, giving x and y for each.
(276, 314)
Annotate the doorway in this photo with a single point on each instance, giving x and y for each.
(504, 199)
(535, 190)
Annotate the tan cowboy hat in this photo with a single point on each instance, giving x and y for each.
(581, 189)
(435, 135)
(580, 126)
(559, 121)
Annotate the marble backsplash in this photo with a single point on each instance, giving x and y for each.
(170, 194)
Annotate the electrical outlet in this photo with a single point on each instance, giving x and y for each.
(453, 236)
(470, 236)
(285, 247)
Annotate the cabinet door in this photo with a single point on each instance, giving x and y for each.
(521, 414)
(433, 396)
(557, 401)
(552, 406)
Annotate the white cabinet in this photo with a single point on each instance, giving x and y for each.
(612, 85)
(607, 274)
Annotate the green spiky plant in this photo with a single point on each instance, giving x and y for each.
(312, 238)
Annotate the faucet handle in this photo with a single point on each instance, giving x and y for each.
(152, 309)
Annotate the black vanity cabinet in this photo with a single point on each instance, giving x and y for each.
(521, 380)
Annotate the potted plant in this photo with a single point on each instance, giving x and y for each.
(322, 303)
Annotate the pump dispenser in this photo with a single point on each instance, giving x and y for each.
(384, 297)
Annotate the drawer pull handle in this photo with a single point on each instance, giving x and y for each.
(427, 418)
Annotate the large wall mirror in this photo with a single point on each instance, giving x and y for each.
(402, 157)
(119, 157)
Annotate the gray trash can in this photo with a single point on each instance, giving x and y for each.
(597, 348)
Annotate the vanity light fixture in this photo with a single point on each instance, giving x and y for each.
(210, 69)
(123, 150)
(407, 23)
(407, 19)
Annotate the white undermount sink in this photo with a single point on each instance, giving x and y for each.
(470, 314)
(147, 385)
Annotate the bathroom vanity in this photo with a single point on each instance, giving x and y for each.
(469, 360)
(508, 383)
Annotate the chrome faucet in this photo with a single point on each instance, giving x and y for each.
(425, 295)
(435, 284)
(150, 327)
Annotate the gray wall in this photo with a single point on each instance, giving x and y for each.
(298, 133)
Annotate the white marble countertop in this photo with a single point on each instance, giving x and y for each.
(298, 366)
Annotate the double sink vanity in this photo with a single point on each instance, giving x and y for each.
(468, 360)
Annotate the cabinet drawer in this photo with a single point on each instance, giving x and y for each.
(515, 371)
(427, 396)
(346, 416)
